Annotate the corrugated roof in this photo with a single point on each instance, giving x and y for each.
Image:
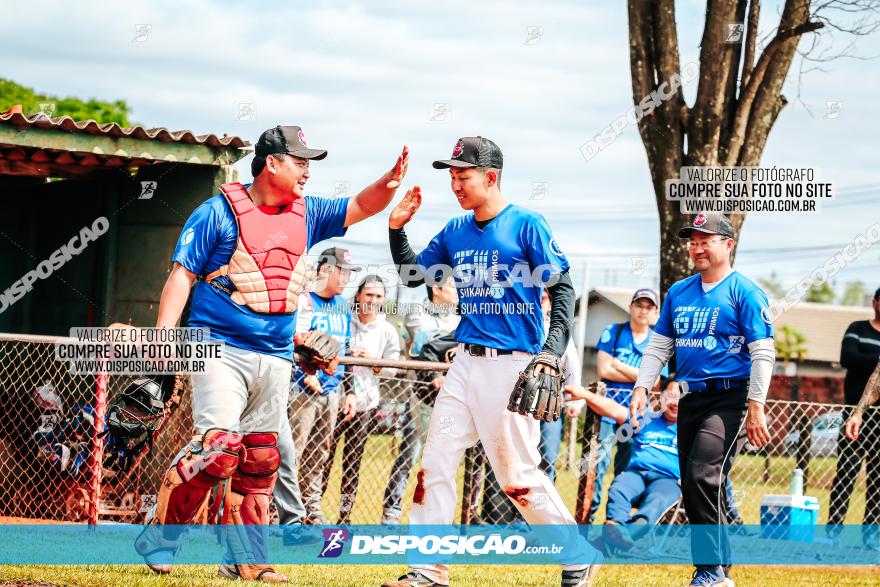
(111, 129)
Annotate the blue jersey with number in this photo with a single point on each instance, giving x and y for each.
(206, 243)
(712, 330)
(627, 351)
(332, 316)
(499, 272)
(655, 448)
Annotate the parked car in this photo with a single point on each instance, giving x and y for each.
(823, 438)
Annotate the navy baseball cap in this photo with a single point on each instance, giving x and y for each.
(708, 224)
(286, 139)
(473, 152)
(646, 293)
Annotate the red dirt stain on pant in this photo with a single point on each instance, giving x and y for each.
(518, 494)
(419, 493)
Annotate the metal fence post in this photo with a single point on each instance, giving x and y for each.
(97, 457)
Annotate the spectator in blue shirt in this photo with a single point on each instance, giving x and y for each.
(650, 482)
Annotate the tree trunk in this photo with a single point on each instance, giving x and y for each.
(731, 117)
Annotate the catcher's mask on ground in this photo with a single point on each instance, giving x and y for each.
(136, 410)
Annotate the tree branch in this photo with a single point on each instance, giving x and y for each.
(716, 56)
(751, 42)
(757, 79)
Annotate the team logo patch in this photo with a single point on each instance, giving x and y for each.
(554, 247)
(458, 148)
(334, 542)
(606, 335)
(187, 236)
(709, 343)
(302, 138)
(496, 291)
(346, 256)
(700, 220)
(736, 344)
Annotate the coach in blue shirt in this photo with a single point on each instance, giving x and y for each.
(718, 326)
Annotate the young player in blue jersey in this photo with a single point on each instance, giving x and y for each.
(494, 252)
(618, 356)
(245, 252)
(718, 326)
(650, 479)
(307, 436)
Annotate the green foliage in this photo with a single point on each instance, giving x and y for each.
(772, 286)
(791, 344)
(821, 293)
(31, 102)
(854, 294)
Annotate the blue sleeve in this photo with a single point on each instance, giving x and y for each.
(541, 248)
(664, 323)
(325, 218)
(606, 341)
(750, 313)
(197, 241)
(434, 253)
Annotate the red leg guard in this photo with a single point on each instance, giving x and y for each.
(207, 461)
(248, 500)
(184, 494)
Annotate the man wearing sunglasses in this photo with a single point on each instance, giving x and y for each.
(717, 324)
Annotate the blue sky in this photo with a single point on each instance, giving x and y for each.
(362, 79)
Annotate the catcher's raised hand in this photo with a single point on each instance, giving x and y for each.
(398, 172)
(406, 208)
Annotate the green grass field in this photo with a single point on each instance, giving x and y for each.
(482, 576)
(374, 473)
(749, 474)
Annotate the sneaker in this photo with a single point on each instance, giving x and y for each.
(708, 577)
(582, 578)
(298, 534)
(265, 573)
(390, 517)
(616, 535)
(157, 550)
(413, 579)
(315, 518)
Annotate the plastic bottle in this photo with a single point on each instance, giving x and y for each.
(797, 482)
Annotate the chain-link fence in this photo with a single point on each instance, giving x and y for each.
(53, 462)
(364, 470)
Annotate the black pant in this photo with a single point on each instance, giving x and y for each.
(710, 434)
(849, 461)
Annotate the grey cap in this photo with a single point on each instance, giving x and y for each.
(646, 293)
(473, 152)
(708, 224)
(286, 139)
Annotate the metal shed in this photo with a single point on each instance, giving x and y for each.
(58, 177)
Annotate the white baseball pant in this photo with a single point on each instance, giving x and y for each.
(471, 406)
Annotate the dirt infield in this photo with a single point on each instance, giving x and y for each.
(14, 520)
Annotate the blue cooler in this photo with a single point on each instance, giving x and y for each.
(789, 517)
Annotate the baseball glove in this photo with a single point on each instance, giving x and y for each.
(315, 350)
(539, 394)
